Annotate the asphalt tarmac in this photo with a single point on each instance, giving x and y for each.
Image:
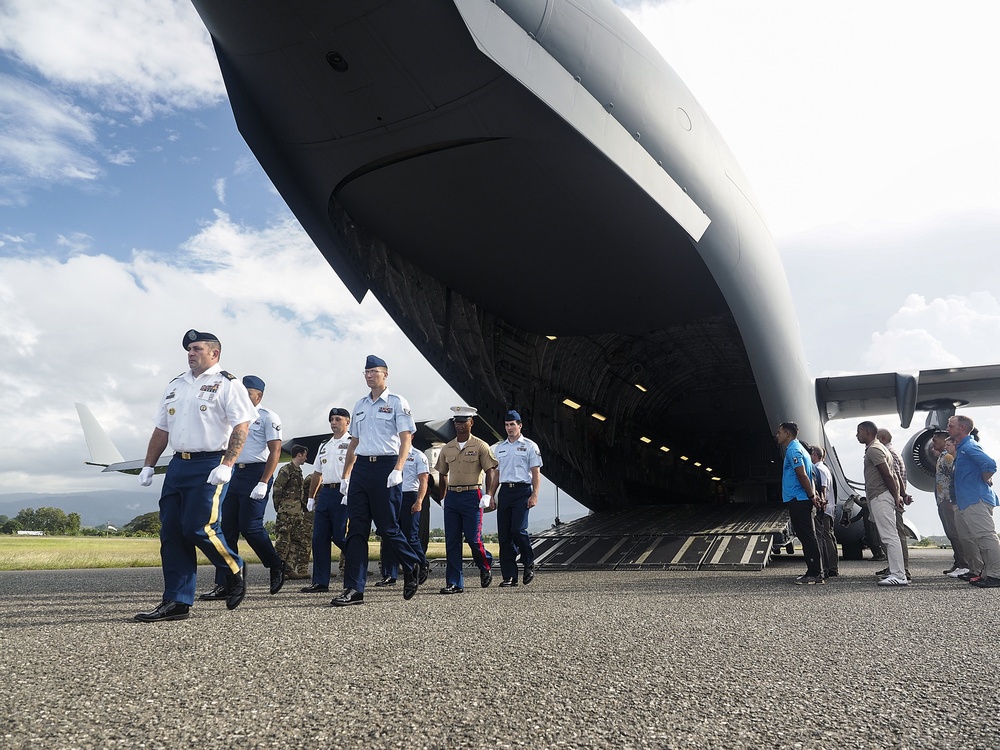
(575, 660)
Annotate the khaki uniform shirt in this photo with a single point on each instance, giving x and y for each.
(465, 466)
(876, 454)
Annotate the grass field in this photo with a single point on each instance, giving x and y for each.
(71, 552)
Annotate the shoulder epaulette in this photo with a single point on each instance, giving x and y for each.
(179, 376)
(227, 374)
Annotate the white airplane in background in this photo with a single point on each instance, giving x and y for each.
(104, 453)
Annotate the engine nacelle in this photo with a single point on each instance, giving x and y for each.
(921, 463)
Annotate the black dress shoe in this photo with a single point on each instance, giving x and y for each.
(451, 589)
(410, 585)
(165, 611)
(425, 571)
(314, 588)
(485, 578)
(219, 592)
(277, 577)
(529, 574)
(508, 583)
(236, 590)
(348, 597)
(386, 581)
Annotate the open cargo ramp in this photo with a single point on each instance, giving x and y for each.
(676, 537)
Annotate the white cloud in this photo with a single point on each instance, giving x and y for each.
(140, 57)
(871, 121)
(122, 158)
(76, 243)
(946, 332)
(43, 138)
(107, 333)
(220, 189)
(953, 331)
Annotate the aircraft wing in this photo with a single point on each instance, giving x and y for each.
(847, 396)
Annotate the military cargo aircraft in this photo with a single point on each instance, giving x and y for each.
(545, 210)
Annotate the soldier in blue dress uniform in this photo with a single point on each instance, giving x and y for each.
(204, 416)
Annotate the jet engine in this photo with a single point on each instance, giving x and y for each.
(920, 460)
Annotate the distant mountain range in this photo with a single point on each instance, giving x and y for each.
(96, 508)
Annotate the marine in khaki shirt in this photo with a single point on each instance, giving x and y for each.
(461, 466)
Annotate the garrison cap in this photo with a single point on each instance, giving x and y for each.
(252, 381)
(374, 361)
(512, 416)
(193, 336)
(339, 411)
(462, 413)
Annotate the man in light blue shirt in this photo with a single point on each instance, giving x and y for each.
(520, 466)
(382, 429)
(975, 500)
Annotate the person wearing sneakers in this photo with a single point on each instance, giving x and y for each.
(975, 499)
(882, 490)
(899, 471)
(800, 498)
(204, 416)
(944, 495)
(825, 539)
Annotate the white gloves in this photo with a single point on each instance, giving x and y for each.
(259, 492)
(395, 477)
(484, 501)
(220, 474)
(343, 499)
(146, 476)
(343, 489)
(311, 504)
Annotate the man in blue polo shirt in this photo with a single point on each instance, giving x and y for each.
(975, 499)
(800, 498)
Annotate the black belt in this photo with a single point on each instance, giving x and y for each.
(386, 457)
(331, 484)
(203, 454)
(511, 485)
(464, 487)
(249, 463)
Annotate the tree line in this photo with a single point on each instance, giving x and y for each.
(54, 521)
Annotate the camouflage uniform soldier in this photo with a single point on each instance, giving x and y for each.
(292, 541)
(307, 528)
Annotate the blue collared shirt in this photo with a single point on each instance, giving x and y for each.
(791, 487)
(971, 462)
(416, 464)
(377, 424)
(517, 459)
(265, 428)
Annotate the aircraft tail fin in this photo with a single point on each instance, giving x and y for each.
(102, 451)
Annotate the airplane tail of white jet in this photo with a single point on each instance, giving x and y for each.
(102, 451)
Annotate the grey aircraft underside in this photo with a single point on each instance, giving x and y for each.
(548, 214)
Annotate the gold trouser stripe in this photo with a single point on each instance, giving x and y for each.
(213, 538)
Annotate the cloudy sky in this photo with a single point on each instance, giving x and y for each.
(131, 210)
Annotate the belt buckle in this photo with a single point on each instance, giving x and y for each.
(186, 456)
(372, 459)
